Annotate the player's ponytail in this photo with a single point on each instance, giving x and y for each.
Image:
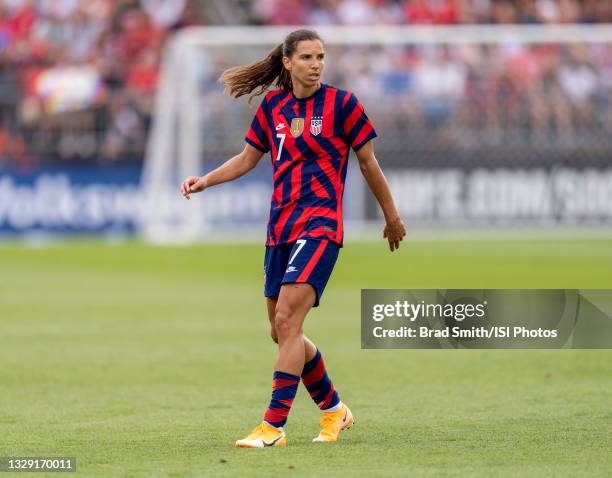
(255, 78)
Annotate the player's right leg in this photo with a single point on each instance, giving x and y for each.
(286, 322)
(312, 262)
(336, 415)
(310, 349)
(312, 371)
(295, 300)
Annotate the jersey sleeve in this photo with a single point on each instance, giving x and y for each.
(358, 128)
(258, 133)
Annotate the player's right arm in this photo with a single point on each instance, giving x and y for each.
(232, 169)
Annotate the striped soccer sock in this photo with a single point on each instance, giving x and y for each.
(284, 388)
(319, 385)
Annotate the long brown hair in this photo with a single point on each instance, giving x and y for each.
(256, 77)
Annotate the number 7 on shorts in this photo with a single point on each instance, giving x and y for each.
(301, 243)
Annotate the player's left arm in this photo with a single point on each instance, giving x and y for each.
(394, 228)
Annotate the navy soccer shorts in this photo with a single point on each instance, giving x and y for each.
(309, 261)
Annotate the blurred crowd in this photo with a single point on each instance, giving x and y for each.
(78, 77)
(533, 99)
(429, 12)
(522, 96)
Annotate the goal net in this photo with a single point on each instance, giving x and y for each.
(478, 125)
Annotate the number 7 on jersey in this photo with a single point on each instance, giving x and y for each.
(281, 136)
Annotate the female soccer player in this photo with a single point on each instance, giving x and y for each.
(309, 128)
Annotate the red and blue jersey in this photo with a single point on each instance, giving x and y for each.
(309, 141)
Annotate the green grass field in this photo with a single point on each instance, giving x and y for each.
(146, 361)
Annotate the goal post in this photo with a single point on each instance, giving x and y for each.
(196, 127)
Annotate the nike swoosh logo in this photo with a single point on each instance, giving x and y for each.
(345, 416)
(273, 442)
(280, 126)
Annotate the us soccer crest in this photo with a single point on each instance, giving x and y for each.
(297, 126)
(316, 125)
